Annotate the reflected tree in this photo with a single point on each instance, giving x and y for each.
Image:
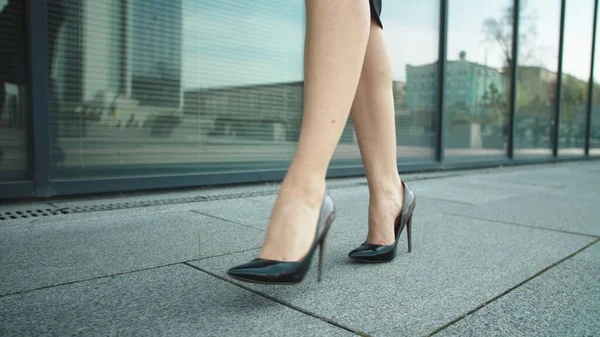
(499, 31)
(495, 104)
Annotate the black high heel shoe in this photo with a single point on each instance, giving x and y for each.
(282, 272)
(377, 253)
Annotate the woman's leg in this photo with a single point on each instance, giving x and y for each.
(374, 121)
(336, 39)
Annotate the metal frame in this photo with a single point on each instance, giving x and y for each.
(26, 188)
(37, 25)
(43, 186)
(16, 189)
(563, 9)
(441, 95)
(513, 81)
(590, 100)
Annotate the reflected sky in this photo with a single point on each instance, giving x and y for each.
(579, 21)
(234, 42)
(540, 33)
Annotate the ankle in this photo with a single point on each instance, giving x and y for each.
(385, 188)
(305, 187)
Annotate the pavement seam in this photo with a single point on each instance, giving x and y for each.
(464, 203)
(123, 273)
(522, 225)
(276, 300)
(509, 290)
(226, 220)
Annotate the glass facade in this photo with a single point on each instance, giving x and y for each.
(185, 86)
(478, 79)
(14, 118)
(150, 89)
(416, 75)
(539, 34)
(576, 64)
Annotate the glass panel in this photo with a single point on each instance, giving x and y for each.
(13, 96)
(577, 50)
(595, 125)
(478, 79)
(416, 79)
(536, 77)
(152, 86)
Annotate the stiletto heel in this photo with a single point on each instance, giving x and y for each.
(377, 253)
(283, 272)
(320, 269)
(322, 248)
(408, 225)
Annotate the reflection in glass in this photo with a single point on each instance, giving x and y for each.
(575, 79)
(152, 86)
(478, 79)
(13, 120)
(595, 122)
(539, 35)
(411, 31)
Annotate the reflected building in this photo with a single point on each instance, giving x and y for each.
(118, 52)
(156, 35)
(399, 89)
(268, 112)
(470, 86)
(537, 85)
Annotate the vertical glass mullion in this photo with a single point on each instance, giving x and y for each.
(559, 79)
(513, 82)
(590, 97)
(443, 51)
(37, 41)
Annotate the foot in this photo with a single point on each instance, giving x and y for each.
(293, 221)
(385, 205)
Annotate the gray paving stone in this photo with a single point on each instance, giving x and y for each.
(564, 301)
(588, 190)
(45, 255)
(457, 263)
(353, 202)
(571, 213)
(244, 211)
(560, 175)
(472, 190)
(169, 301)
(590, 254)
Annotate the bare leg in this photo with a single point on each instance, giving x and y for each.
(374, 121)
(336, 39)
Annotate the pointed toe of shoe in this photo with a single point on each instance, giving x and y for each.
(268, 271)
(372, 253)
(363, 250)
(252, 271)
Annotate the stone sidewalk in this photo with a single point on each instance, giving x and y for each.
(496, 252)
